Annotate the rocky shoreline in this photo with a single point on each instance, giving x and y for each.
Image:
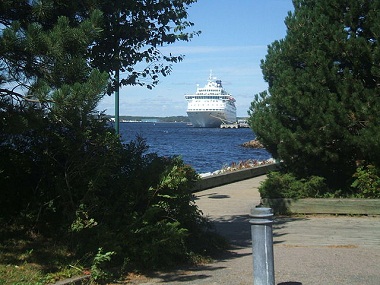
(251, 163)
(253, 144)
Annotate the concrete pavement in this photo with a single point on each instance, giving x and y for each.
(307, 249)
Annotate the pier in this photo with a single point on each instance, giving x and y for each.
(234, 126)
(229, 126)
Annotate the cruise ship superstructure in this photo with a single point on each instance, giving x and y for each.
(211, 105)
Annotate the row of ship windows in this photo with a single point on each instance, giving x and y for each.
(212, 89)
(208, 102)
(204, 109)
(210, 97)
(215, 105)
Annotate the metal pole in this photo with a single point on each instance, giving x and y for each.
(117, 124)
(262, 246)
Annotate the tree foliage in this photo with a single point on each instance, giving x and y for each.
(133, 32)
(64, 173)
(320, 115)
(56, 36)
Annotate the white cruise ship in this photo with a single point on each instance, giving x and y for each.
(211, 105)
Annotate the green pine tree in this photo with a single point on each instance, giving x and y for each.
(64, 172)
(321, 112)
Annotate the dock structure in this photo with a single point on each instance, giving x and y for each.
(234, 126)
(229, 126)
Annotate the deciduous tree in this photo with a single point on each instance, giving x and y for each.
(122, 35)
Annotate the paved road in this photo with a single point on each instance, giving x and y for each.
(307, 250)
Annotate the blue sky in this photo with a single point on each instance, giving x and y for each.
(235, 36)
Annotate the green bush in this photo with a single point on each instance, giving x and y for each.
(98, 273)
(367, 182)
(164, 215)
(287, 185)
(73, 180)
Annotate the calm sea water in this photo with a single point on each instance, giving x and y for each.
(205, 149)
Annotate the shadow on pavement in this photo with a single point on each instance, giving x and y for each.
(279, 224)
(219, 196)
(185, 275)
(237, 229)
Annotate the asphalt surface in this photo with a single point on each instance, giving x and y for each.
(307, 249)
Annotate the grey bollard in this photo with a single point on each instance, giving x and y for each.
(262, 246)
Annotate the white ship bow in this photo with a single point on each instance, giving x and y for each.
(211, 105)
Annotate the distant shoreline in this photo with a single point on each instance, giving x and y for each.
(153, 119)
(143, 119)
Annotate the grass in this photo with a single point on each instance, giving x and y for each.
(27, 258)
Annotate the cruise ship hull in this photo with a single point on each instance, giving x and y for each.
(211, 105)
(207, 119)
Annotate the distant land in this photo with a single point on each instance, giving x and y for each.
(171, 119)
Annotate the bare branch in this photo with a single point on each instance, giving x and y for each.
(7, 92)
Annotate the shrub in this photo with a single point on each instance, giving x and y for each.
(73, 180)
(165, 217)
(98, 271)
(147, 216)
(287, 185)
(367, 182)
